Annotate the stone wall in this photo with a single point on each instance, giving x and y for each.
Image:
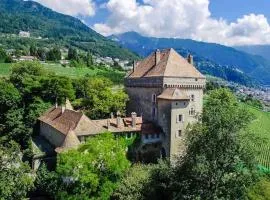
(177, 141)
(55, 137)
(141, 102)
(141, 92)
(164, 121)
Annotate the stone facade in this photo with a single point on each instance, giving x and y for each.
(168, 91)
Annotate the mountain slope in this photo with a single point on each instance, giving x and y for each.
(19, 15)
(254, 66)
(260, 50)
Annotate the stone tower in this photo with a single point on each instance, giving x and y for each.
(168, 91)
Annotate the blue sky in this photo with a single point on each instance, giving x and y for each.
(229, 22)
(233, 9)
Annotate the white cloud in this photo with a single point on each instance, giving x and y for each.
(182, 19)
(71, 7)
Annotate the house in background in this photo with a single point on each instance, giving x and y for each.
(25, 34)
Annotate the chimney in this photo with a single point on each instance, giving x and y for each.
(190, 59)
(157, 56)
(133, 118)
(118, 119)
(134, 65)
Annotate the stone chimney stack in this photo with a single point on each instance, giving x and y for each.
(157, 56)
(118, 119)
(133, 119)
(134, 65)
(190, 59)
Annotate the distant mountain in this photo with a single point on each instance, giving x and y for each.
(232, 61)
(260, 50)
(58, 29)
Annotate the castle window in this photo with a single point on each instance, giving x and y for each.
(196, 79)
(192, 97)
(180, 118)
(192, 111)
(153, 136)
(146, 136)
(154, 98)
(158, 135)
(179, 133)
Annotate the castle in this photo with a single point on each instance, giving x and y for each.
(166, 94)
(168, 91)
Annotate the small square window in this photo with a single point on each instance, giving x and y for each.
(179, 133)
(180, 118)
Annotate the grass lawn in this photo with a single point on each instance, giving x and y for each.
(72, 72)
(260, 128)
(115, 76)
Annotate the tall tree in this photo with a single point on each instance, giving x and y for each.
(16, 179)
(92, 171)
(33, 50)
(73, 54)
(54, 54)
(26, 76)
(99, 100)
(57, 88)
(217, 165)
(3, 55)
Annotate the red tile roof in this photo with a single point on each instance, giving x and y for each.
(81, 125)
(171, 64)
